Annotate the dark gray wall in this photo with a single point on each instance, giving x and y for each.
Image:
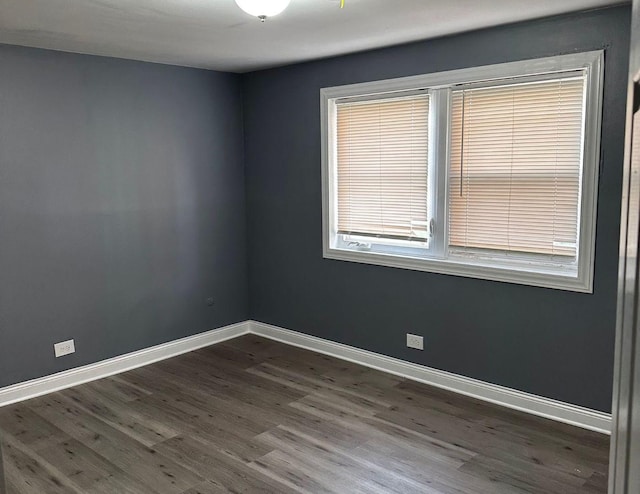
(121, 207)
(552, 343)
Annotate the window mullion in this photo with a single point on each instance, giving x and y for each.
(438, 168)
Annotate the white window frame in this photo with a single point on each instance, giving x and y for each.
(439, 85)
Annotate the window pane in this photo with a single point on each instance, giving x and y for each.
(382, 154)
(515, 167)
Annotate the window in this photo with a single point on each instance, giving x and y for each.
(382, 155)
(489, 172)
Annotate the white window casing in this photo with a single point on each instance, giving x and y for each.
(488, 172)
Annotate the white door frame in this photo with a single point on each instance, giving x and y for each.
(624, 469)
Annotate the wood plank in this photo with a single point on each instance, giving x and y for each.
(145, 430)
(220, 469)
(28, 427)
(143, 463)
(329, 464)
(90, 471)
(28, 473)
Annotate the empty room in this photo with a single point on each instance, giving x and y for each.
(319, 246)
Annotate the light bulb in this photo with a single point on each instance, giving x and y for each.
(263, 8)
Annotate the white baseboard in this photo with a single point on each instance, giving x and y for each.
(510, 398)
(73, 377)
(507, 397)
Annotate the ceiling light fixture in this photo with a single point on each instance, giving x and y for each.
(263, 8)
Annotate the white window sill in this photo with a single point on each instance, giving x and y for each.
(541, 276)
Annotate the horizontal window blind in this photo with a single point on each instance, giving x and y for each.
(515, 167)
(382, 156)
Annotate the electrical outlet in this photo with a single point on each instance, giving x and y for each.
(64, 348)
(415, 341)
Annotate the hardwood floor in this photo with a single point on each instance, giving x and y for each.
(252, 415)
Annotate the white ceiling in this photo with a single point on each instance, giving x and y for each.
(216, 34)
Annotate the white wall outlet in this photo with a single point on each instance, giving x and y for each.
(415, 341)
(64, 348)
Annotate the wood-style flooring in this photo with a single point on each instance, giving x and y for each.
(255, 416)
